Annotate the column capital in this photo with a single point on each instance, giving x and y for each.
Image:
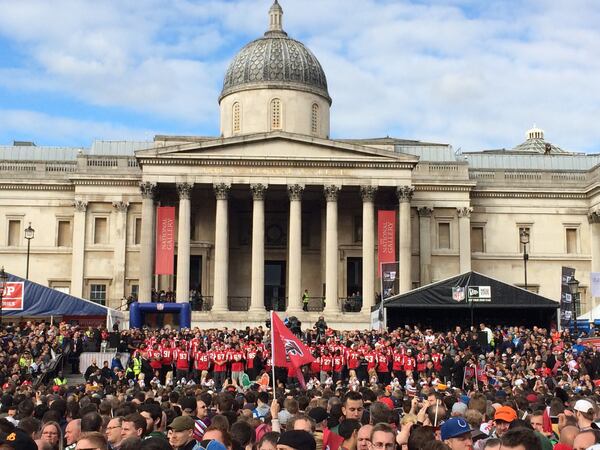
(331, 192)
(184, 190)
(368, 193)
(425, 211)
(121, 206)
(221, 190)
(295, 191)
(464, 211)
(258, 191)
(148, 189)
(594, 216)
(405, 193)
(80, 205)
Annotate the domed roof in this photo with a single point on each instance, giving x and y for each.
(275, 60)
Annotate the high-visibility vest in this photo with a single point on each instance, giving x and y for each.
(59, 382)
(137, 366)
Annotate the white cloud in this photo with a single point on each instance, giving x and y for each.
(474, 74)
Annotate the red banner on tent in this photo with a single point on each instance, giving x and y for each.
(386, 237)
(165, 240)
(12, 298)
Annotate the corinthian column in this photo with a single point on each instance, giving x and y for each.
(147, 242)
(221, 248)
(404, 194)
(257, 290)
(368, 247)
(425, 243)
(594, 219)
(464, 241)
(78, 258)
(295, 248)
(120, 248)
(331, 250)
(183, 242)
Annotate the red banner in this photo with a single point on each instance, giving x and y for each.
(165, 240)
(12, 299)
(386, 237)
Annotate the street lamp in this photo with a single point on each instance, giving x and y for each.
(524, 238)
(574, 290)
(3, 280)
(29, 234)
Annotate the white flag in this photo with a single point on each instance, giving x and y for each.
(595, 283)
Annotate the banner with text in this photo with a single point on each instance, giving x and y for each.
(165, 240)
(566, 300)
(386, 237)
(12, 299)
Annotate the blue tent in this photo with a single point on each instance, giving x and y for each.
(31, 299)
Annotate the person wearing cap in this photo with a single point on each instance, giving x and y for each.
(181, 433)
(502, 420)
(296, 440)
(456, 433)
(584, 413)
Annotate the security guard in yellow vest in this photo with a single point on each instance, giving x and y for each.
(60, 379)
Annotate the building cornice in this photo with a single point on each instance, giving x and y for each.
(520, 194)
(443, 187)
(36, 186)
(106, 181)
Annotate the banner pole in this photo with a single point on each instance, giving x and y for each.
(273, 352)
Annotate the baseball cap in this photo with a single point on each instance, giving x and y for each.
(182, 423)
(318, 414)
(211, 444)
(506, 414)
(583, 406)
(456, 426)
(18, 439)
(387, 402)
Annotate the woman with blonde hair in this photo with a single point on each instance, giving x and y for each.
(52, 434)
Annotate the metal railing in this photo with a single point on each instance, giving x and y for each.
(202, 303)
(276, 303)
(235, 303)
(350, 304)
(316, 304)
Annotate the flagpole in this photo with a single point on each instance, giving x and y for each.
(273, 352)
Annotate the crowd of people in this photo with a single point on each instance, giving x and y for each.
(213, 389)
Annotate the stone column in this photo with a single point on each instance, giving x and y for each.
(120, 249)
(257, 290)
(464, 240)
(331, 250)
(295, 248)
(147, 242)
(425, 243)
(183, 242)
(78, 258)
(594, 219)
(368, 247)
(221, 249)
(404, 194)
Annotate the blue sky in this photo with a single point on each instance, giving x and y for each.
(475, 74)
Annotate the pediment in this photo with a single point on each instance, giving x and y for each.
(275, 147)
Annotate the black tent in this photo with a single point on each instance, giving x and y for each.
(469, 297)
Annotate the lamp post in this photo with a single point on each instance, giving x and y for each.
(29, 234)
(3, 280)
(524, 238)
(574, 290)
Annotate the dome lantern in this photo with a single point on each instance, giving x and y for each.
(276, 19)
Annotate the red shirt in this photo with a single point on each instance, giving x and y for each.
(220, 357)
(409, 363)
(353, 360)
(237, 361)
(183, 360)
(167, 356)
(398, 363)
(156, 361)
(370, 358)
(382, 363)
(201, 360)
(326, 363)
(250, 355)
(315, 366)
(338, 363)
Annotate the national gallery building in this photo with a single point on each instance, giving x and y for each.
(273, 209)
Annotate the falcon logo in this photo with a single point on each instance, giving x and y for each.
(292, 348)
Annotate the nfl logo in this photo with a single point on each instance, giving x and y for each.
(458, 294)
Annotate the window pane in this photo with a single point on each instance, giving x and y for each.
(14, 233)
(571, 235)
(64, 238)
(98, 293)
(522, 246)
(100, 230)
(444, 235)
(477, 239)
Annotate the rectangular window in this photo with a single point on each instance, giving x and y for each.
(137, 232)
(135, 288)
(100, 230)
(527, 231)
(64, 234)
(477, 240)
(98, 293)
(571, 238)
(14, 233)
(443, 235)
(358, 228)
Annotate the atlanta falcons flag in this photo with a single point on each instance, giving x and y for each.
(288, 351)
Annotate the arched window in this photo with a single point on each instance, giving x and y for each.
(237, 121)
(276, 114)
(314, 120)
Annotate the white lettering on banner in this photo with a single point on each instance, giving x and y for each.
(12, 300)
(387, 240)
(166, 232)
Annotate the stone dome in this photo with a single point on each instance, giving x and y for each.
(275, 60)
